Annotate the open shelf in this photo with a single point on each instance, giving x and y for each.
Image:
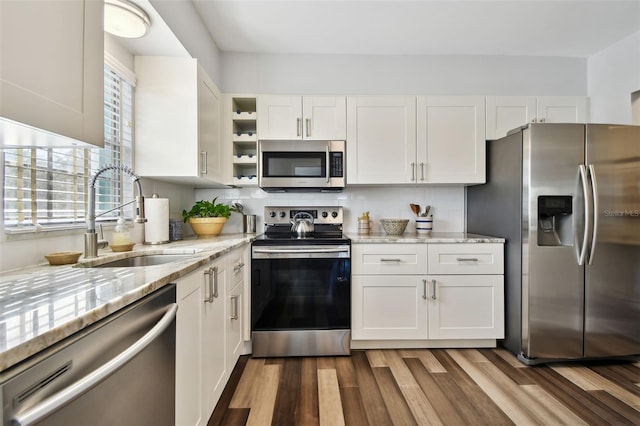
(245, 140)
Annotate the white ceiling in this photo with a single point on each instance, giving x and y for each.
(419, 27)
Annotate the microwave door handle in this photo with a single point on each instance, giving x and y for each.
(328, 168)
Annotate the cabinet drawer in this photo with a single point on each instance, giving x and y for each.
(463, 259)
(389, 259)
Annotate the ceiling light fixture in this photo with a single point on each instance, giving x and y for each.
(124, 19)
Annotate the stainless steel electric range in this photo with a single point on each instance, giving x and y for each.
(301, 287)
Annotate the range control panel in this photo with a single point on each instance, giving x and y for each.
(321, 215)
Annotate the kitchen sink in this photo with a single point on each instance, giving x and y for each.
(145, 260)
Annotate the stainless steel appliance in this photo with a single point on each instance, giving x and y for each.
(567, 199)
(301, 287)
(119, 371)
(301, 165)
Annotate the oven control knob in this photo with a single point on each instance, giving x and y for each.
(283, 215)
(272, 214)
(334, 214)
(325, 214)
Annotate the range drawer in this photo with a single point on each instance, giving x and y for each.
(466, 259)
(389, 259)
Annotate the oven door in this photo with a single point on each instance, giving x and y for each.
(287, 165)
(301, 300)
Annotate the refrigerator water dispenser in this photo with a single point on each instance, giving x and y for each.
(554, 220)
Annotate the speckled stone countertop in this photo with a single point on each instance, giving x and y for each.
(412, 237)
(43, 304)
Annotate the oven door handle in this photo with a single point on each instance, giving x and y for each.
(303, 250)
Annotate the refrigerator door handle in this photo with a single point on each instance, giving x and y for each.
(594, 191)
(587, 215)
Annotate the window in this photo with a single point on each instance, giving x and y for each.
(45, 187)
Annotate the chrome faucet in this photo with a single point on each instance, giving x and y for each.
(91, 243)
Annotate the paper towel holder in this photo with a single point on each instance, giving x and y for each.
(163, 240)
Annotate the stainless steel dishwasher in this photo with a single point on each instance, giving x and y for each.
(119, 371)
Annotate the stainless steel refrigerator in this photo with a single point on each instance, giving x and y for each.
(566, 197)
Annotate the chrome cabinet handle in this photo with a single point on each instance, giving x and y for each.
(203, 164)
(467, 259)
(234, 307)
(215, 283)
(83, 385)
(433, 294)
(594, 193)
(587, 215)
(421, 171)
(424, 289)
(382, 259)
(209, 273)
(298, 126)
(238, 267)
(413, 172)
(308, 127)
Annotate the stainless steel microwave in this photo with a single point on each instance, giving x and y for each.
(301, 165)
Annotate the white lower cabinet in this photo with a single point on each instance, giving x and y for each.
(214, 336)
(465, 306)
(209, 338)
(190, 295)
(427, 294)
(238, 267)
(388, 307)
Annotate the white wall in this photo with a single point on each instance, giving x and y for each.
(613, 75)
(398, 74)
(184, 21)
(381, 202)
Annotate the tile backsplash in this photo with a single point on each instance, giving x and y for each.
(381, 202)
(447, 204)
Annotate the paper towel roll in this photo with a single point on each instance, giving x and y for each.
(156, 229)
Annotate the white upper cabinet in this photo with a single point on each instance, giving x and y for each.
(301, 117)
(505, 113)
(178, 120)
(381, 139)
(561, 109)
(52, 68)
(404, 139)
(451, 139)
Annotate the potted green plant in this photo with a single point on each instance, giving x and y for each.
(207, 217)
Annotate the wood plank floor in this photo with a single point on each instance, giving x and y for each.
(428, 386)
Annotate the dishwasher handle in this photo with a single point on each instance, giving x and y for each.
(83, 385)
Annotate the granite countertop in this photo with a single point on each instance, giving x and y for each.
(433, 238)
(42, 305)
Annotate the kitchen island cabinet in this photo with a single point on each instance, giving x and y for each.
(506, 113)
(435, 291)
(301, 117)
(52, 72)
(178, 122)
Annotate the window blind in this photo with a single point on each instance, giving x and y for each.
(49, 186)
